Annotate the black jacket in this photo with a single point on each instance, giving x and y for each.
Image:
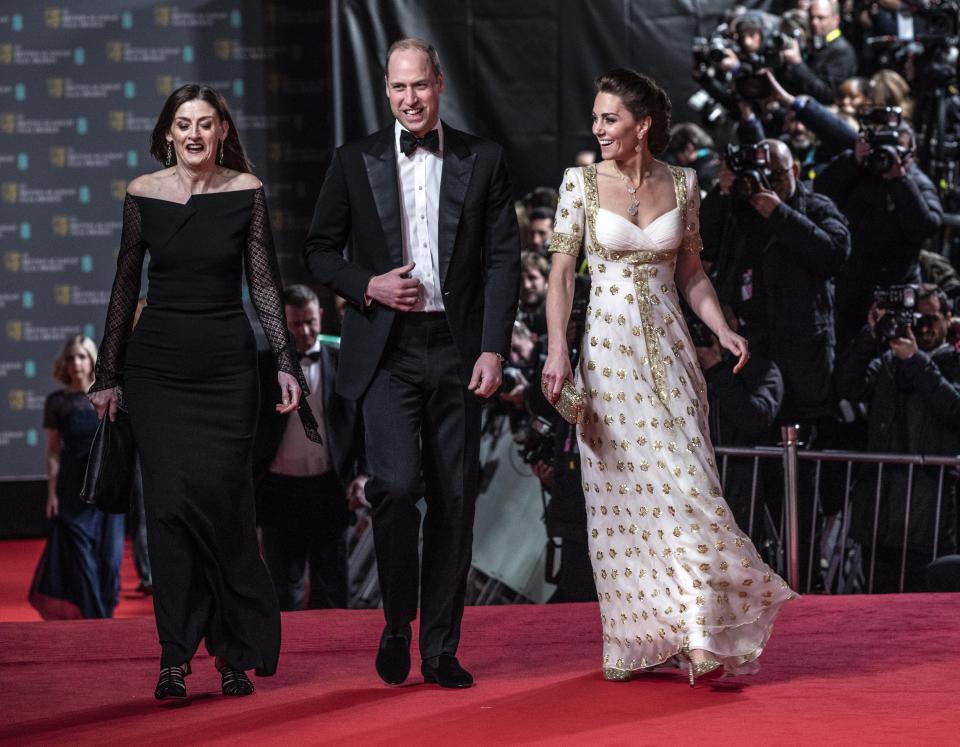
(356, 233)
(792, 258)
(913, 408)
(344, 437)
(824, 70)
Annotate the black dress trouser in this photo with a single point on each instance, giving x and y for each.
(422, 430)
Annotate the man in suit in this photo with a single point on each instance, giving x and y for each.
(305, 492)
(431, 271)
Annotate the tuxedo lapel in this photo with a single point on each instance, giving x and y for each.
(455, 178)
(381, 164)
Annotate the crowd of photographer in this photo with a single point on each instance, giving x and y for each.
(827, 227)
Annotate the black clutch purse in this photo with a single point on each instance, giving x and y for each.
(108, 481)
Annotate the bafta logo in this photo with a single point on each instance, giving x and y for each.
(8, 123)
(223, 49)
(58, 156)
(55, 87)
(6, 54)
(11, 261)
(118, 189)
(161, 15)
(164, 85)
(9, 192)
(61, 295)
(116, 120)
(17, 399)
(51, 17)
(15, 330)
(115, 51)
(61, 225)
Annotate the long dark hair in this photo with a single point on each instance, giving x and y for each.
(234, 156)
(642, 97)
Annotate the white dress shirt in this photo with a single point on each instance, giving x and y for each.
(297, 455)
(419, 188)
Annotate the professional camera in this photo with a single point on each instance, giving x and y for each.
(510, 378)
(900, 303)
(928, 21)
(751, 166)
(709, 51)
(750, 81)
(537, 443)
(880, 127)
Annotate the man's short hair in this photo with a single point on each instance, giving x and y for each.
(683, 134)
(541, 213)
(932, 290)
(299, 296)
(541, 197)
(533, 261)
(412, 42)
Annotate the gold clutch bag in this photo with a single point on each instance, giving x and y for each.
(570, 404)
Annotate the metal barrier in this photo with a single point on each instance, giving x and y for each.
(839, 554)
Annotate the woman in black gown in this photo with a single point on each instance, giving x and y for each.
(189, 379)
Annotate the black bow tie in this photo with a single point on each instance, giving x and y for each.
(410, 142)
(313, 356)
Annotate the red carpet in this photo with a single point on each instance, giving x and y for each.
(839, 670)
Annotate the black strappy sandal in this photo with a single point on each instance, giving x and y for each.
(171, 683)
(234, 682)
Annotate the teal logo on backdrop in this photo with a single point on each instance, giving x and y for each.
(79, 56)
(86, 263)
(25, 232)
(89, 331)
(237, 87)
(81, 125)
(23, 161)
(83, 194)
(236, 18)
(16, 23)
(29, 368)
(20, 92)
(27, 299)
(188, 53)
(132, 158)
(130, 89)
(126, 20)
(32, 438)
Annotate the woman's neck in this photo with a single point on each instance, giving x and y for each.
(79, 385)
(637, 167)
(195, 180)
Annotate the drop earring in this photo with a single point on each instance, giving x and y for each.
(169, 159)
(220, 152)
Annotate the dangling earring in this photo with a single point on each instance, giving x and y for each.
(169, 160)
(220, 152)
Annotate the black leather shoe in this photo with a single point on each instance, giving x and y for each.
(445, 671)
(393, 656)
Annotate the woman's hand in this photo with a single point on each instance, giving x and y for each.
(733, 342)
(289, 391)
(556, 371)
(104, 401)
(53, 506)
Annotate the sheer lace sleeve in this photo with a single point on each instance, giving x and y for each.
(263, 278)
(570, 218)
(692, 244)
(123, 300)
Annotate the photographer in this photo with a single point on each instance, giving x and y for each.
(534, 272)
(831, 59)
(690, 146)
(742, 408)
(892, 207)
(774, 246)
(912, 392)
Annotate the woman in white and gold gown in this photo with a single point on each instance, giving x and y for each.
(676, 578)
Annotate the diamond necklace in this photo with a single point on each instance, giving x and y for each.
(631, 190)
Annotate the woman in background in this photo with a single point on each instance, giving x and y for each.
(79, 571)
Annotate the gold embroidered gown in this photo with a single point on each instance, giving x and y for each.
(673, 571)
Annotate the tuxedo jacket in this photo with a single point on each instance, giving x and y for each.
(344, 437)
(356, 233)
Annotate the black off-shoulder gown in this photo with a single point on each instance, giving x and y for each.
(189, 377)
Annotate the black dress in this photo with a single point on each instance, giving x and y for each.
(79, 572)
(189, 376)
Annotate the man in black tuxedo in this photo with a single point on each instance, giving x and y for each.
(305, 492)
(431, 271)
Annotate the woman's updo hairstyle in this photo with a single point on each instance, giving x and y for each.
(642, 97)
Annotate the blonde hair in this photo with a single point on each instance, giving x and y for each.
(60, 372)
(888, 88)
